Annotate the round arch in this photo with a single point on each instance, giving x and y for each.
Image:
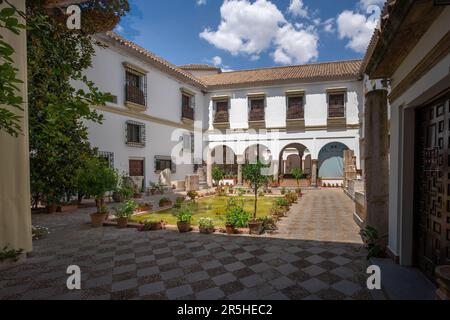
(225, 158)
(331, 160)
(258, 152)
(291, 157)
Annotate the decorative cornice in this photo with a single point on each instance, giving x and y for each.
(142, 116)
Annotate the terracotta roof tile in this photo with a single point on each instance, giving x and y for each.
(329, 71)
(160, 62)
(200, 67)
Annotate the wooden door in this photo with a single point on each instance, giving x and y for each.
(136, 168)
(432, 187)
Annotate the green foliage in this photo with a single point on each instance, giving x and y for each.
(291, 197)
(185, 213)
(254, 174)
(95, 178)
(39, 232)
(206, 223)
(297, 173)
(126, 210)
(59, 145)
(240, 192)
(371, 240)
(9, 120)
(178, 203)
(269, 224)
(217, 174)
(282, 202)
(283, 190)
(235, 214)
(10, 254)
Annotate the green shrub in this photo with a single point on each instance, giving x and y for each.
(193, 195)
(184, 214)
(206, 223)
(282, 202)
(236, 215)
(283, 190)
(126, 210)
(164, 201)
(269, 224)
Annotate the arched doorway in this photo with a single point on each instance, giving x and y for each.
(291, 157)
(225, 158)
(331, 161)
(258, 152)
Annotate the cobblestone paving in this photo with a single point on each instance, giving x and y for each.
(126, 264)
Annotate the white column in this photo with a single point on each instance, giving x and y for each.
(15, 213)
(209, 167)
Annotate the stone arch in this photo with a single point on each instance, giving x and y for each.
(293, 150)
(331, 160)
(258, 152)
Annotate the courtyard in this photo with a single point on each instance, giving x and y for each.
(316, 254)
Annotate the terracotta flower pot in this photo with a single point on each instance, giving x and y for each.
(255, 227)
(230, 229)
(97, 219)
(206, 230)
(157, 226)
(122, 223)
(184, 227)
(52, 208)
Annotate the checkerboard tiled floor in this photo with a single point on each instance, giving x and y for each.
(126, 264)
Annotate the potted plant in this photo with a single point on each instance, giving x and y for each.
(124, 212)
(218, 175)
(165, 202)
(235, 215)
(184, 217)
(206, 225)
(153, 188)
(96, 179)
(253, 173)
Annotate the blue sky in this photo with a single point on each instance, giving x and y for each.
(243, 34)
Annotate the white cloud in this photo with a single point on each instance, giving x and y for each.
(295, 46)
(200, 2)
(251, 28)
(357, 28)
(298, 9)
(329, 26)
(365, 4)
(216, 61)
(245, 27)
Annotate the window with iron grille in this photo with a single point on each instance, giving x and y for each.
(135, 134)
(162, 163)
(336, 105)
(257, 112)
(135, 87)
(108, 157)
(222, 115)
(296, 108)
(187, 106)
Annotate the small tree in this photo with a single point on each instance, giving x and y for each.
(253, 173)
(217, 175)
(95, 179)
(297, 173)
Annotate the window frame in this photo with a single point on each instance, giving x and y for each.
(142, 134)
(251, 99)
(344, 105)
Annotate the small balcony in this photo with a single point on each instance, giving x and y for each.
(187, 115)
(336, 116)
(295, 117)
(257, 119)
(222, 120)
(135, 98)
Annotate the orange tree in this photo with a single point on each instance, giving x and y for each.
(254, 174)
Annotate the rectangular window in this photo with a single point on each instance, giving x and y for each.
(295, 108)
(187, 106)
(162, 163)
(222, 115)
(336, 105)
(108, 157)
(135, 87)
(135, 134)
(257, 112)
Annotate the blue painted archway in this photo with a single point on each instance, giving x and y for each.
(331, 160)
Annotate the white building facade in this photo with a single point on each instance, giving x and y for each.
(161, 113)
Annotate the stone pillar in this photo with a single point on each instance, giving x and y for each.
(209, 168)
(15, 213)
(376, 162)
(314, 172)
(240, 162)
